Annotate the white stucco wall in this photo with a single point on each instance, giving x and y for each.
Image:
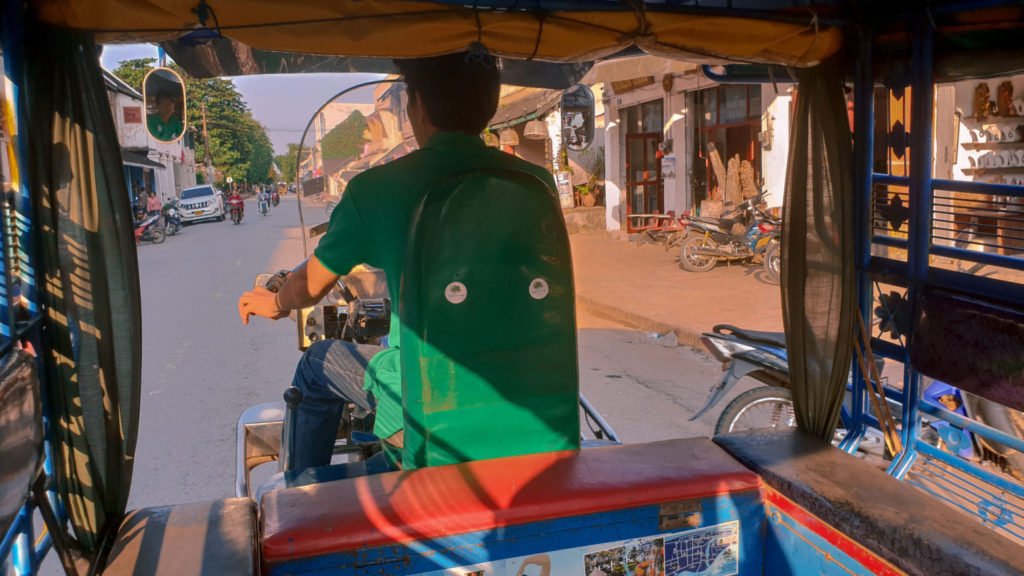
(177, 174)
(774, 158)
(132, 135)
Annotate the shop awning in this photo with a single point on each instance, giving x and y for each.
(524, 106)
(138, 159)
(622, 69)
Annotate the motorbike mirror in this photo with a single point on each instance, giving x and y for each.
(163, 92)
(261, 280)
(577, 117)
(309, 177)
(319, 229)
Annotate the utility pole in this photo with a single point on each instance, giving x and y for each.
(206, 145)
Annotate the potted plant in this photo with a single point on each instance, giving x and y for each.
(587, 193)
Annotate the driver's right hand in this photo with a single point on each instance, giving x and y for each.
(260, 302)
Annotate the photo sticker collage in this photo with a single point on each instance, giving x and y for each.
(709, 551)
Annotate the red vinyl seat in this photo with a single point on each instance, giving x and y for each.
(433, 502)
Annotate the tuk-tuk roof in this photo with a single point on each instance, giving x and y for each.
(776, 32)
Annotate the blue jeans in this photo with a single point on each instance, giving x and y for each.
(330, 375)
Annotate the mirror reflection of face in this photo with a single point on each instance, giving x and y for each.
(165, 102)
(165, 106)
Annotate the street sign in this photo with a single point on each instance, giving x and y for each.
(230, 180)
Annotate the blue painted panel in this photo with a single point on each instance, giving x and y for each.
(792, 549)
(539, 537)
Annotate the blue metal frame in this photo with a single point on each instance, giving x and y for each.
(915, 274)
(20, 313)
(864, 136)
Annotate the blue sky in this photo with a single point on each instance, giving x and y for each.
(283, 103)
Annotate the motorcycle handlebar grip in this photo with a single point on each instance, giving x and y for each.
(276, 282)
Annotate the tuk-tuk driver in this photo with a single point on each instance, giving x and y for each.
(450, 101)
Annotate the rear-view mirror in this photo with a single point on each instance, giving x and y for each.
(578, 117)
(164, 93)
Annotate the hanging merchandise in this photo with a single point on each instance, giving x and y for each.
(536, 130)
(509, 137)
(490, 139)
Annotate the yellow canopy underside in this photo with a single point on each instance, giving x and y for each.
(408, 29)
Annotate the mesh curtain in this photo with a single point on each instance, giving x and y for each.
(87, 277)
(818, 284)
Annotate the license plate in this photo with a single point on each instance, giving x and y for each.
(200, 212)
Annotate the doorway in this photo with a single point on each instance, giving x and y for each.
(645, 193)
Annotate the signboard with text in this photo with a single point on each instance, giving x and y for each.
(132, 114)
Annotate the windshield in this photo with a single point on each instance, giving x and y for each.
(196, 192)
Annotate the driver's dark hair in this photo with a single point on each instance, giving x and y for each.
(459, 91)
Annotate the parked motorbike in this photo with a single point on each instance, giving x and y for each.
(172, 220)
(762, 356)
(150, 230)
(237, 208)
(743, 234)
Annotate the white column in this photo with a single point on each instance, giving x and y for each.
(613, 192)
(775, 149)
(676, 189)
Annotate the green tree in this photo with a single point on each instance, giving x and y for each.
(286, 163)
(239, 146)
(132, 72)
(345, 140)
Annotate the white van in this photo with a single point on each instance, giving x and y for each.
(203, 202)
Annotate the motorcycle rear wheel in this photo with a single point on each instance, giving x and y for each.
(773, 262)
(692, 262)
(1006, 420)
(741, 414)
(157, 236)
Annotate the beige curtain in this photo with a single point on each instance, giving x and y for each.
(88, 280)
(818, 300)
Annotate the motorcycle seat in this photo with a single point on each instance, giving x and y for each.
(723, 223)
(771, 338)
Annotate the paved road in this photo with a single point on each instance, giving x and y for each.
(201, 367)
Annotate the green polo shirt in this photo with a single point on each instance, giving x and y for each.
(165, 131)
(372, 223)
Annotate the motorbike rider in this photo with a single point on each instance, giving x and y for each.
(263, 197)
(451, 98)
(235, 199)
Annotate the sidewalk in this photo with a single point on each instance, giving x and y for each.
(643, 287)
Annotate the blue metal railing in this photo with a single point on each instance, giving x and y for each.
(931, 214)
(20, 317)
